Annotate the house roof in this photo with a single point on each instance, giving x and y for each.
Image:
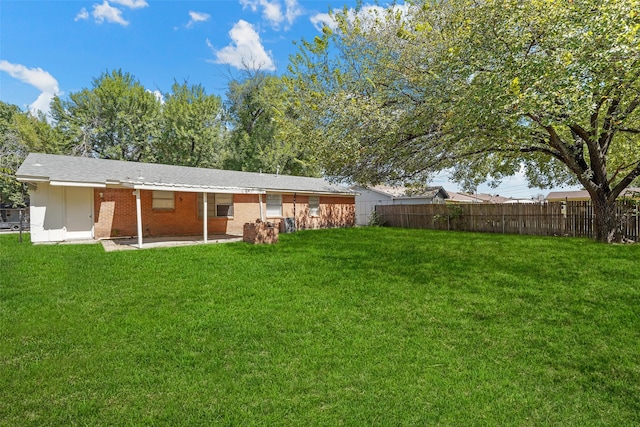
(91, 172)
(584, 194)
(573, 195)
(477, 198)
(401, 192)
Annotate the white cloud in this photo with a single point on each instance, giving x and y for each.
(132, 4)
(106, 12)
(245, 50)
(42, 103)
(159, 96)
(252, 4)
(197, 17)
(272, 11)
(36, 77)
(367, 14)
(320, 20)
(293, 10)
(82, 15)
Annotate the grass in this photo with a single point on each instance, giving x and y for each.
(368, 326)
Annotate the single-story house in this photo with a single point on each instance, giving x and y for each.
(88, 198)
(368, 197)
(583, 195)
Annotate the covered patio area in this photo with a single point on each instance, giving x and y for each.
(125, 244)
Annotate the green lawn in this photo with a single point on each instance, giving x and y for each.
(368, 326)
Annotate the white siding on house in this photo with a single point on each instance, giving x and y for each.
(60, 213)
(366, 202)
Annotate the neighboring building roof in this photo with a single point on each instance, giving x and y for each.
(476, 198)
(401, 192)
(556, 196)
(523, 201)
(91, 172)
(568, 195)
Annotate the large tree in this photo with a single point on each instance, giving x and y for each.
(21, 133)
(485, 87)
(257, 141)
(192, 129)
(116, 119)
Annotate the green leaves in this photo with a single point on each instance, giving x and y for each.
(21, 133)
(192, 128)
(116, 119)
(483, 87)
(262, 117)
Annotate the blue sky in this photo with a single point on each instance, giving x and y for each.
(50, 47)
(58, 47)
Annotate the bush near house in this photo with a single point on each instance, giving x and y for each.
(365, 326)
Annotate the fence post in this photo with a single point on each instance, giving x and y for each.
(406, 212)
(21, 220)
(637, 224)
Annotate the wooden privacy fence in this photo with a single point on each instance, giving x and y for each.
(548, 219)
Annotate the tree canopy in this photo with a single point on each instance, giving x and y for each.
(257, 139)
(482, 87)
(21, 133)
(192, 128)
(116, 119)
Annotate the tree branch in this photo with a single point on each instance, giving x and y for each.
(574, 161)
(625, 182)
(629, 130)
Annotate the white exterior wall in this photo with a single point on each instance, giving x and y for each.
(60, 213)
(367, 200)
(366, 203)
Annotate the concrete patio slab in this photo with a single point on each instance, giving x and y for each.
(165, 242)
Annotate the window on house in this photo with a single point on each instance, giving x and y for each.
(274, 205)
(314, 206)
(163, 200)
(218, 205)
(224, 205)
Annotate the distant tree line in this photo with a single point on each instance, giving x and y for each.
(118, 118)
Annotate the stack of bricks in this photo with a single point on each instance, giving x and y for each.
(260, 232)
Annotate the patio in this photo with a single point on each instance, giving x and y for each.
(125, 244)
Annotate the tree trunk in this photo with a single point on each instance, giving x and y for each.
(607, 226)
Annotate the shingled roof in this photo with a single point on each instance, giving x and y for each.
(401, 192)
(555, 196)
(91, 172)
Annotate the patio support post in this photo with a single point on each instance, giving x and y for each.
(139, 218)
(205, 204)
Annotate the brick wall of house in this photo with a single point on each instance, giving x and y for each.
(246, 208)
(115, 214)
(335, 211)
